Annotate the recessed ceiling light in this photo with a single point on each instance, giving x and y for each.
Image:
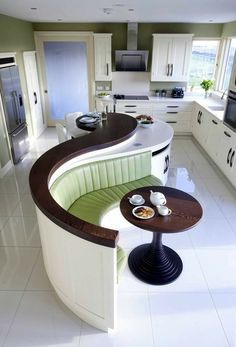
(59, 20)
(131, 9)
(33, 8)
(118, 5)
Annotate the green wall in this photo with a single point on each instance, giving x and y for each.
(229, 29)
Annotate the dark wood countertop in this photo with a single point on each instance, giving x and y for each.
(116, 129)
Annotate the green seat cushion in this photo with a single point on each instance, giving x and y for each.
(91, 207)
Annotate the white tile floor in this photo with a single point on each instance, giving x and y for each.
(198, 309)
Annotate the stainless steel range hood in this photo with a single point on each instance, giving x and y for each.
(132, 59)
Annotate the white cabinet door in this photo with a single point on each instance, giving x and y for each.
(161, 55)
(200, 125)
(226, 154)
(102, 57)
(212, 144)
(171, 57)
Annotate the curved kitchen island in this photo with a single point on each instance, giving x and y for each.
(79, 256)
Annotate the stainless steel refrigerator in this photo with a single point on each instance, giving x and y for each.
(14, 112)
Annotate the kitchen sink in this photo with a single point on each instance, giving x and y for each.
(216, 108)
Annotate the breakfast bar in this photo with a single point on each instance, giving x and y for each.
(81, 256)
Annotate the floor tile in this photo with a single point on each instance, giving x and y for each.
(39, 279)
(185, 319)
(19, 231)
(9, 302)
(226, 307)
(8, 203)
(133, 325)
(16, 264)
(219, 268)
(3, 221)
(26, 207)
(213, 233)
(42, 320)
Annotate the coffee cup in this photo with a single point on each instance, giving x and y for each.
(164, 210)
(136, 198)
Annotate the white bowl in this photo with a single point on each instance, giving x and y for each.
(146, 125)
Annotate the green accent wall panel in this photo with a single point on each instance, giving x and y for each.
(229, 29)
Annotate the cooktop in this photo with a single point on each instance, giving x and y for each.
(130, 97)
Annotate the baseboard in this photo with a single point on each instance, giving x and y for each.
(5, 168)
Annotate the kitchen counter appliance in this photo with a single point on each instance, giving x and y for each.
(177, 92)
(14, 112)
(230, 111)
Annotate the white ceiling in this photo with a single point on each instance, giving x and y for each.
(185, 11)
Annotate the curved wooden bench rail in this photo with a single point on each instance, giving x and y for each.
(116, 129)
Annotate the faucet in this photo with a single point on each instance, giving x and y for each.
(223, 94)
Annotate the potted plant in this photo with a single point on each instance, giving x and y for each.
(206, 85)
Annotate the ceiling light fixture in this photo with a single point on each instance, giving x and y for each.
(33, 8)
(131, 9)
(59, 20)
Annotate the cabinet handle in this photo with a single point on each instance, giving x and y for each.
(198, 117)
(171, 122)
(35, 98)
(229, 152)
(167, 161)
(165, 165)
(172, 106)
(132, 112)
(172, 68)
(214, 121)
(171, 112)
(168, 69)
(107, 69)
(231, 159)
(227, 134)
(130, 105)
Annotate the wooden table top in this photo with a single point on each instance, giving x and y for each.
(186, 210)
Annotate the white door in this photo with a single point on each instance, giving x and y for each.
(38, 123)
(67, 73)
(181, 53)
(160, 58)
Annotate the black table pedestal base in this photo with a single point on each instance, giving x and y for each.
(154, 263)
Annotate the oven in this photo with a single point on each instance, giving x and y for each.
(230, 111)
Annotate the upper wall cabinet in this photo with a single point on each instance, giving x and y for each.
(171, 55)
(102, 57)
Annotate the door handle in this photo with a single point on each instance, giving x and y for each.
(172, 68)
(214, 121)
(168, 162)
(165, 169)
(171, 112)
(200, 118)
(229, 152)
(168, 69)
(227, 134)
(231, 159)
(107, 69)
(16, 105)
(35, 98)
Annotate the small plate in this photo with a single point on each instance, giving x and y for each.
(143, 212)
(87, 119)
(135, 203)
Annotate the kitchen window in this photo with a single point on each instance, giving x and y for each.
(203, 62)
(228, 51)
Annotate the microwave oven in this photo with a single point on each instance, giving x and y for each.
(230, 111)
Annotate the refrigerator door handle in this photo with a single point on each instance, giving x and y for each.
(14, 95)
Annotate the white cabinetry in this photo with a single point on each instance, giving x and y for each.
(102, 57)
(226, 154)
(212, 141)
(133, 107)
(178, 115)
(200, 125)
(171, 57)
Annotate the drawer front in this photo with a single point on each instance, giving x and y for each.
(173, 115)
(133, 110)
(179, 107)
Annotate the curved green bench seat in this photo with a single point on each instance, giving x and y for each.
(89, 191)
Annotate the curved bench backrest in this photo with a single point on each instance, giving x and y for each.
(97, 175)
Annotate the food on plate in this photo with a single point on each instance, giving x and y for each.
(143, 117)
(144, 212)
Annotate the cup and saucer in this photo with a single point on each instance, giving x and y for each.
(136, 200)
(163, 210)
